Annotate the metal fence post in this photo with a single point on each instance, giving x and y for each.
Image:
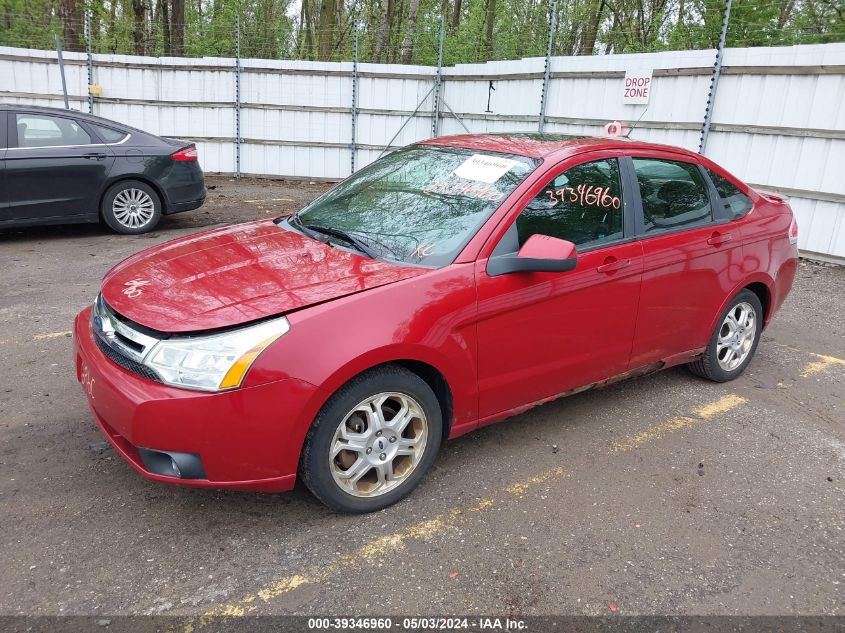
(547, 70)
(238, 96)
(714, 79)
(62, 69)
(353, 147)
(88, 46)
(438, 81)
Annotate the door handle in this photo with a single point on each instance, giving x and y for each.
(95, 156)
(717, 239)
(611, 264)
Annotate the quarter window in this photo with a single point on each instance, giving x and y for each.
(673, 194)
(582, 205)
(109, 135)
(36, 130)
(734, 200)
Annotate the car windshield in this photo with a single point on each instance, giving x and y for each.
(419, 205)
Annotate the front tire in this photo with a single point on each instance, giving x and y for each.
(131, 207)
(732, 345)
(373, 441)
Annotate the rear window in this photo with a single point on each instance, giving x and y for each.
(674, 194)
(734, 200)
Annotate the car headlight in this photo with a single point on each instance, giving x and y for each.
(215, 362)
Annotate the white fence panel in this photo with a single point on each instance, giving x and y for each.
(778, 120)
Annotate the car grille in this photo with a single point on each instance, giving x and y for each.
(126, 362)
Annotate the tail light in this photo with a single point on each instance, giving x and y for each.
(793, 232)
(188, 153)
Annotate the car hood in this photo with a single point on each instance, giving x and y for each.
(242, 273)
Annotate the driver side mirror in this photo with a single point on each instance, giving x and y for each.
(539, 254)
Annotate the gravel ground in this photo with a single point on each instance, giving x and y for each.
(662, 495)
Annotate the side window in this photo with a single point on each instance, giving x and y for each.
(734, 200)
(674, 194)
(582, 205)
(36, 130)
(109, 135)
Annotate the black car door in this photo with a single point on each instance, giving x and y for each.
(55, 167)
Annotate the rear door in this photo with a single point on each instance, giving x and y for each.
(692, 256)
(55, 167)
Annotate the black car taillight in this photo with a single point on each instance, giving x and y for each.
(187, 153)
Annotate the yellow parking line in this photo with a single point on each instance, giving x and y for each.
(382, 546)
(373, 550)
(49, 335)
(445, 522)
(820, 365)
(701, 414)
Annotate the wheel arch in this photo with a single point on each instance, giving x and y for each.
(432, 371)
(761, 285)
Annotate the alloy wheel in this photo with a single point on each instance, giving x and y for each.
(736, 336)
(133, 208)
(378, 444)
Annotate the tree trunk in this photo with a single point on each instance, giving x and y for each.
(72, 25)
(177, 27)
(456, 15)
(384, 29)
(327, 29)
(408, 41)
(588, 41)
(164, 14)
(138, 33)
(491, 20)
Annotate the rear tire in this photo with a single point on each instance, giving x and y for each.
(373, 441)
(131, 207)
(733, 343)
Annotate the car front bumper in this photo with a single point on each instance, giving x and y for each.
(247, 439)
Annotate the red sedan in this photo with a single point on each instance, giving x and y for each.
(447, 286)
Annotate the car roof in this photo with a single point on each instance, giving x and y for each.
(539, 145)
(77, 114)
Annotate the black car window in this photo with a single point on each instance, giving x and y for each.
(737, 202)
(108, 134)
(582, 205)
(38, 130)
(673, 193)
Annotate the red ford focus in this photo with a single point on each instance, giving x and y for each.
(449, 285)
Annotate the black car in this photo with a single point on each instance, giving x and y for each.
(62, 166)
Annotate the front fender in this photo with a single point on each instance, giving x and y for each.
(429, 318)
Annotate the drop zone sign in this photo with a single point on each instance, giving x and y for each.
(637, 86)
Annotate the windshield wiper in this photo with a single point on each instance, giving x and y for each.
(340, 233)
(296, 221)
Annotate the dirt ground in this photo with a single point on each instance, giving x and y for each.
(662, 495)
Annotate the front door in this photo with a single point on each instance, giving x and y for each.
(543, 334)
(54, 168)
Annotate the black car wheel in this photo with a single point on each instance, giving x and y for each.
(373, 440)
(131, 207)
(735, 340)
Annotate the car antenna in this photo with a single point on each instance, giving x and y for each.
(631, 129)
